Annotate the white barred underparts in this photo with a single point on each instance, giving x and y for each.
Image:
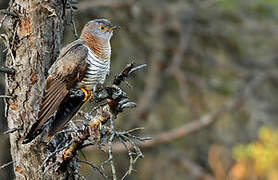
(96, 72)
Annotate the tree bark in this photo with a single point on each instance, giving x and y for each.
(35, 41)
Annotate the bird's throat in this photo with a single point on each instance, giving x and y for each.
(100, 47)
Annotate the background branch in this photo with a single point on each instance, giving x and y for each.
(177, 133)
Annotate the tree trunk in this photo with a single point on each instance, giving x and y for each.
(34, 46)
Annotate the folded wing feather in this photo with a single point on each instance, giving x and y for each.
(63, 75)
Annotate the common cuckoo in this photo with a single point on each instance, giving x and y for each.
(82, 64)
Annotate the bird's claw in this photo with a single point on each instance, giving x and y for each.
(87, 93)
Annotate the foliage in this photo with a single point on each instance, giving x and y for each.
(259, 158)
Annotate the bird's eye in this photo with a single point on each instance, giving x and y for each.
(102, 28)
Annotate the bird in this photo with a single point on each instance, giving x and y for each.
(82, 64)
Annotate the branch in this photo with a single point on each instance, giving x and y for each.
(95, 167)
(129, 69)
(155, 78)
(192, 168)
(7, 70)
(116, 102)
(6, 165)
(5, 96)
(6, 19)
(110, 150)
(72, 19)
(14, 129)
(175, 67)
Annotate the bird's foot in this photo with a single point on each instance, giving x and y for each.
(88, 94)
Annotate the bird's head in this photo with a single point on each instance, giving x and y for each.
(100, 28)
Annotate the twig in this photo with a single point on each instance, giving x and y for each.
(88, 131)
(14, 129)
(130, 159)
(84, 156)
(137, 149)
(126, 72)
(10, 13)
(2, 20)
(5, 96)
(175, 67)
(110, 150)
(8, 43)
(5, 165)
(57, 150)
(131, 130)
(47, 169)
(13, 43)
(7, 70)
(80, 176)
(72, 21)
(137, 68)
(192, 168)
(94, 167)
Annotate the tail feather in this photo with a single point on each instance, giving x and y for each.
(32, 134)
(67, 109)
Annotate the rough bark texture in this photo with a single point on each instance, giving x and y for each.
(35, 44)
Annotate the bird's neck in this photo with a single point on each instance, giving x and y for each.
(99, 47)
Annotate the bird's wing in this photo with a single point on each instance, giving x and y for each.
(69, 68)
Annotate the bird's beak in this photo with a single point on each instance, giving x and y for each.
(112, 28)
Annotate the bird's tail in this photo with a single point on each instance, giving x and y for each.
(33, 133)
(67, 109)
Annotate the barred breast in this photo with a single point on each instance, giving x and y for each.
(97, 70)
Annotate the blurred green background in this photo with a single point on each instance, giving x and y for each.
(201, 56)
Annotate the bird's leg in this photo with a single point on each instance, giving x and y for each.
(88, 94)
